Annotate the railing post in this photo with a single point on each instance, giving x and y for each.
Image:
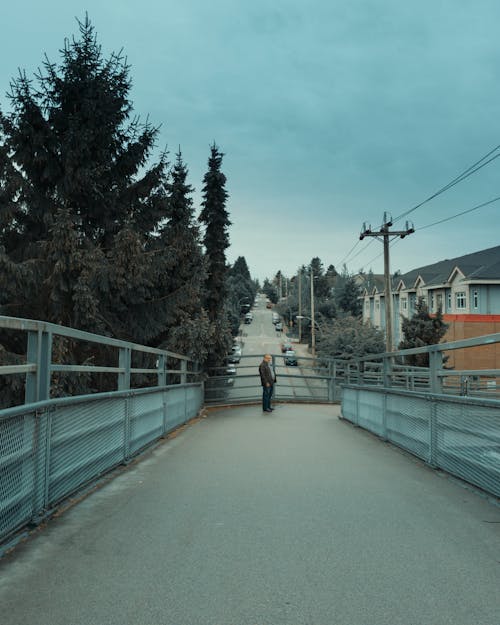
(162, 376)
(184, 371)
(435, 364)
(125, 358)
(42, 449)
(331, 381)
(39, 353)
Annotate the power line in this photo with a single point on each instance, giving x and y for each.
(475, 167)
(469, 210)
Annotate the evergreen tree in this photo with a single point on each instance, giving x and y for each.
(180, 272)
(241, 292)
(270, 291)
(420, 330)
(74, 184)
(215, 218)
(348, 297)
(78, 201)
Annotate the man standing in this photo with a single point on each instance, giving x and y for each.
(267, 378)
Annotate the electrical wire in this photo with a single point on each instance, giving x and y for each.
(475, 167)
(469, 210)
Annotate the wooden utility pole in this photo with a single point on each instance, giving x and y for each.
(313, 329)
(300, 305)
(384, 234)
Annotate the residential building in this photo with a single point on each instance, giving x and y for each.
(466, 289)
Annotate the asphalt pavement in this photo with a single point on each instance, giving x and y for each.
(245, 518)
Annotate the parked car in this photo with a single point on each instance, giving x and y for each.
(235, 355)
(249, 317)
(230, 373)
(290, 358)
(276, 317)
(278, 326)
(285, 347)
(269, 305)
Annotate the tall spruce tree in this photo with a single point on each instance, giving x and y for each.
(181, 274)
(75, 190)
(215, 218)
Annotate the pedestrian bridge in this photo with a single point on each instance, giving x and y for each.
(242, 517)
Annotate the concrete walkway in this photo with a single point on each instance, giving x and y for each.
(294, 518)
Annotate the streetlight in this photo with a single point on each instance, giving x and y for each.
(313, 324)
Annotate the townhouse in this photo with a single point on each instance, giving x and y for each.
(466, 289)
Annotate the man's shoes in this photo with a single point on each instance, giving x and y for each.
(269, 410)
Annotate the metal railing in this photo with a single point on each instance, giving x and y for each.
(50, 447)
(315, 380)
(450, 419)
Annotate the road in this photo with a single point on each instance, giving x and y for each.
(258, 338)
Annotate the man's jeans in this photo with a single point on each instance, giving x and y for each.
(267, 392)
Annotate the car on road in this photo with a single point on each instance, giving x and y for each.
(276, 317)
(230, 373)
(290, 358)
(278, 326)
(248, 317)
(285, 347)
(235, 355)
(269, 305)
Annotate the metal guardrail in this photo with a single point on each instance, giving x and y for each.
(311, 380)
(449, 424)
(52, 447)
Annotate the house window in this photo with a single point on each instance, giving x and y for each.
(440, 302)
(460, 300)
(476, 298)
(377, 304)
(404, 303)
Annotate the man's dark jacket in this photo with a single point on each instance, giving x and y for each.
(266, 374)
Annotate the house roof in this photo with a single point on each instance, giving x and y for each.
(483, 265)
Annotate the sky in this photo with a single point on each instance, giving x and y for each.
(330, 113)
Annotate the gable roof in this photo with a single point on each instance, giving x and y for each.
(483, 265)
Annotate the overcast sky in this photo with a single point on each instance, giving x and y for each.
(329, 113)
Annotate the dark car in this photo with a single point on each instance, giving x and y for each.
(290, 359)
(286, 347)
(278, 326)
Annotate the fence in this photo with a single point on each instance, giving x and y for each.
(51, 447)
(432, 413)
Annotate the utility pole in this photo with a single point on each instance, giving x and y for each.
(384, 234)
(300, 305)
(313, 329)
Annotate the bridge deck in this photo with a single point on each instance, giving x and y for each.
(292, 518)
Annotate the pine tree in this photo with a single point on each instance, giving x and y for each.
(216, 240)
(420, 330)
(215, 218)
